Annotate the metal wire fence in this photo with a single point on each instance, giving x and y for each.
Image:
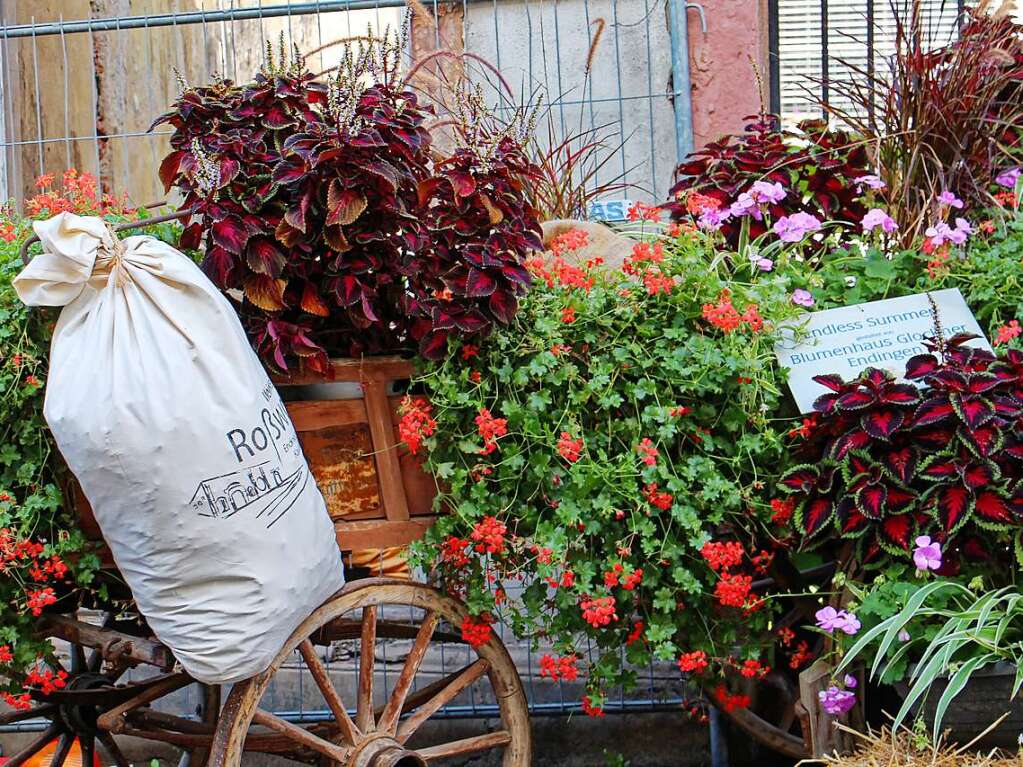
(82, 92)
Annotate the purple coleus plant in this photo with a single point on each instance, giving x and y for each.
(327, 215)
(886, 461)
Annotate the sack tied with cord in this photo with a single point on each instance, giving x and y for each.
(182, 447)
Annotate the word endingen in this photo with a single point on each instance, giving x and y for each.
(881, 334)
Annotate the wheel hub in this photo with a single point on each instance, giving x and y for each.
(385, 752)
(81, 718)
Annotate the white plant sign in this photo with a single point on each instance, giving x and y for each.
(881, 334)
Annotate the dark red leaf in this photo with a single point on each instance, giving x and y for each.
(479, 283)
(815, 515)
(856, 400)
(504, 305)
(897, 531)
(871, 501)
(900, 394)
(921, 365)
(977, 476)
(231, 235)
(851, 440)
(992, 507)
(832, 381)
(933, 410)
(974, 411)
(264, 257)
(952, 505)
(881, 424)
(901, 463)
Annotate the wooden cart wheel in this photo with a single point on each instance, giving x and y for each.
(383, 737)
(94, 695)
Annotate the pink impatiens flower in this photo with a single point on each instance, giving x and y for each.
(795, 227)
(927, 554)
(878, 218)
(762, 191)
(870, 181)
(947, 198)
(802, 297)
(835, 701)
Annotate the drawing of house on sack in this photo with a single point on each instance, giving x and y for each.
(260, 491)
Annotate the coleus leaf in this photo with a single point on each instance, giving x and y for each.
(921, 365)
(814, 515)
(974, 411)
(976, 475)
(939, 468)
(344, 205)
(900, 394)
(169, 169)
(897, 531)
(856, 400)
(874, 378)
(800, 479)
(881, 424)
(230, 234)
(933, 410)
(219, 265)
(265, 292)
(982, 442)
(479, 283)
(832, 381)
(854, 439)
(264, 257)
(952, 506)
(871, 501)
(900, 463)
(504, 305)
(311, 301)
(992, 508)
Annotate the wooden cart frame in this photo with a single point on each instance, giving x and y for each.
(96, 706)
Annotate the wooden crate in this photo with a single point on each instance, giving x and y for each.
(376, 492)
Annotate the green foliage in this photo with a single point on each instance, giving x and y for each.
(946, 630)
(595, 363)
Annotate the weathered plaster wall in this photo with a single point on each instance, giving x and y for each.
(724, 64)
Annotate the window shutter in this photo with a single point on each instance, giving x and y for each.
(801, 53)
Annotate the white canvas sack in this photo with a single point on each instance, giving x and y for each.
(182, 446)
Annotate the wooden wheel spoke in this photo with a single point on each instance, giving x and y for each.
(87, 743)
(466, 745)
(349, 731)
(63, 749)
(112, 749)
(78, 662)
(299, 735)
(10, 717)
(392, 712)
(454, 685)
(364, 713)
(34, 747)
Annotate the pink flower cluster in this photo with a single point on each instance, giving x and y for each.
(830, 620)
